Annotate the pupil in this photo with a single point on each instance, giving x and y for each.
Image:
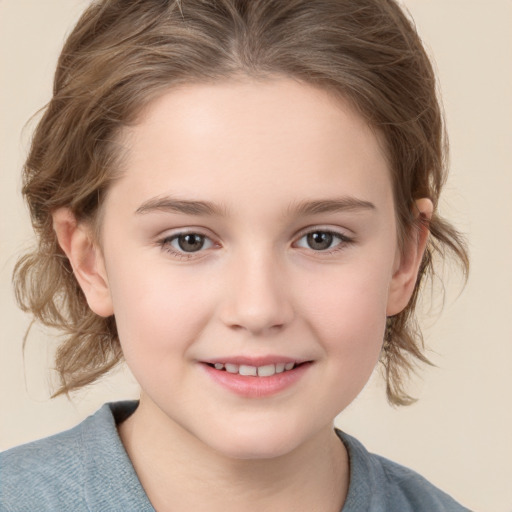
(190, 242)
(319, 240)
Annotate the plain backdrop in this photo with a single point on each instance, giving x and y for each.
(459, 433)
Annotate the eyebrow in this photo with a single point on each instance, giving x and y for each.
(329, 206)
(206, 208)
(169, 204)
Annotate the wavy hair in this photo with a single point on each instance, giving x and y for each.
(121, 55)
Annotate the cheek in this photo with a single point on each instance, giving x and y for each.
(158, 312)
(348, 316)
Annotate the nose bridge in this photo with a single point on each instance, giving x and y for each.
(257, 299)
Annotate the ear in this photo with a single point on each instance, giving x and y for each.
(86, 259)
(408, 260)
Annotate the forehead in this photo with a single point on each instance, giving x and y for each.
(234, 140)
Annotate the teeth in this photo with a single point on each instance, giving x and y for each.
(280, 367)
(231, 368)
(253, 371)
(248, 370)
(266, 371)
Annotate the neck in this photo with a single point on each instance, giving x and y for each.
(179, 472)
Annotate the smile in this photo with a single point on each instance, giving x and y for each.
(255, 371)
(258, 380)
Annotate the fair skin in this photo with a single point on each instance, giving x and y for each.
(295, 258)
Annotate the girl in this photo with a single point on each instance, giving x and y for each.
(239, 199)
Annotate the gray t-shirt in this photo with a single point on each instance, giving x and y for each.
(87, 469)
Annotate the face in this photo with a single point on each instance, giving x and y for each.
(252, 231)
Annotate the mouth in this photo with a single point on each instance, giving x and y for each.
(260, 379)
(246, 370)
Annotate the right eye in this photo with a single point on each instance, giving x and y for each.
(186, 243)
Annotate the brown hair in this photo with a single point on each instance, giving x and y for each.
(123, 54)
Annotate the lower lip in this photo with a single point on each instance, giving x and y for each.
(257, 387)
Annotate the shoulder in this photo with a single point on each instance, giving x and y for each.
(80, 469)
(415, 490)
(42, 473)
(385, 485)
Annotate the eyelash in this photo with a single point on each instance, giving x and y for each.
(165, 243)
(344, 240)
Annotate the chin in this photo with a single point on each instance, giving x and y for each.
(259, 449)
(255, 443)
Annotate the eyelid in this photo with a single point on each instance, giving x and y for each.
(341, 232)
(345, 239)
(164, 241)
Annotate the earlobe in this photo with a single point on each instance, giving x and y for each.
(86, 259)
(409, 260)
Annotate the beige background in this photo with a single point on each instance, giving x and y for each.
(459, 435)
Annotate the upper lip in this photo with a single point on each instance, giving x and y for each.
(255, 361)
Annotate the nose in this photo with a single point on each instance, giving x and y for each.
(257, 298)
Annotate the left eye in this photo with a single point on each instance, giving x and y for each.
(321, 240)
(189, 242)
